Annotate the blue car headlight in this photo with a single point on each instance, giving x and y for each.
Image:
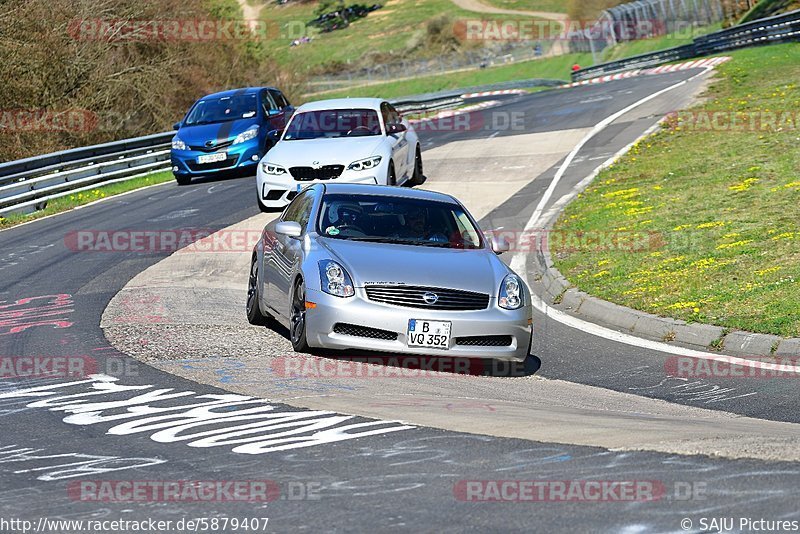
(177, 144)
(335, 280)
(246, 135)
(511, 293)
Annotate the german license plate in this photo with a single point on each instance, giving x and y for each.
(212, 158)
(429, 334)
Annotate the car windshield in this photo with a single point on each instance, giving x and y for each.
(227, 108)
(404, 221)
(333, 123)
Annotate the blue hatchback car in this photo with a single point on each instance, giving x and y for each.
(228, 132)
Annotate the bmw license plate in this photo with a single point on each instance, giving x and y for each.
(429, 334)
(212, 158)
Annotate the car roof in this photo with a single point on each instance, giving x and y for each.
(387, 191)
(242, 91)
(342, 103)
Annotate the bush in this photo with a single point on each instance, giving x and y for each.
(129, 88)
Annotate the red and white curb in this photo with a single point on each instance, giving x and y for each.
(495, 93)
(696, 64)
(456, 112)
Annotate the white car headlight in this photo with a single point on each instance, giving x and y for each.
(364, 164)
(271, 168)
(511, 293)
(335, 280)
(246, 135)
(177, 144)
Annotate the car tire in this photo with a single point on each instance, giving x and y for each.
(418, 178)
(391, 178)
(254, 314)
(297, 319)
(183, 180)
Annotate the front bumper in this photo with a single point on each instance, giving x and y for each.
(359, 311)
(278, 191)
(242, 158)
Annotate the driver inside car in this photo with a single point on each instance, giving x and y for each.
(417, 227)
(344, 216)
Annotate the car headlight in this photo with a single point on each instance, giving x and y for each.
(246, 135)
(511, 293)
(364, 164)
(271, 168)
(335, 280)
(177, 144)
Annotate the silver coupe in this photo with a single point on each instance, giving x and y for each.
(369, 267)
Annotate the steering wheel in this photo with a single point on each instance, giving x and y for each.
(361, 128)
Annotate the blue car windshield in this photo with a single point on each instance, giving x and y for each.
(224, 109)
(401, 221)
(333, 123)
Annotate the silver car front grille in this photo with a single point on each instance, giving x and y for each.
(428, 298)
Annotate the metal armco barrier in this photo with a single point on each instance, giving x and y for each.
(27, 185)
(779, 29)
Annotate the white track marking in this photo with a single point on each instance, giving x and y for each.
(518, 262)
(619, 337)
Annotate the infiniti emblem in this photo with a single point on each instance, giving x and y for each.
(210, 143)
(430, 298)
(315, 165)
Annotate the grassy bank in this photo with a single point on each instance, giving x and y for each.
(644, 46)
(719, 203)
(552, 6)
(557, 68)
(399, 31)
(79, 199)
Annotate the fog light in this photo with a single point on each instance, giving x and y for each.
(254, 157)
(175, 168)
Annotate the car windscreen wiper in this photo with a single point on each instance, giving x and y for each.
(400, 241)
(391, 240)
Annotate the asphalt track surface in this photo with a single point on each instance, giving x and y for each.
(396, 481)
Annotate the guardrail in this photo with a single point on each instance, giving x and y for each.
(778, 29)
(27, 185)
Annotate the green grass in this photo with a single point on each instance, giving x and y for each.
(398, 29)
(552, 6)
(557, 68)
(79, 199)
(769, 8)
(720, 208)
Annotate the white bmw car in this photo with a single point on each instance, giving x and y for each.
(349, 140)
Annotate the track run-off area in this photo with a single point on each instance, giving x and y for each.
(177, 386)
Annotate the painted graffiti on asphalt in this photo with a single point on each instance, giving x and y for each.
(49, 467)
(248, 424)
(29, 312)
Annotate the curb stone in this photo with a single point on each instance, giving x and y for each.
(553, 288)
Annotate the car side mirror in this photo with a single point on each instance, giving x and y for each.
(289, 229)
(500, 244)
(176, 126)
(396, 128)
(274, 135)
